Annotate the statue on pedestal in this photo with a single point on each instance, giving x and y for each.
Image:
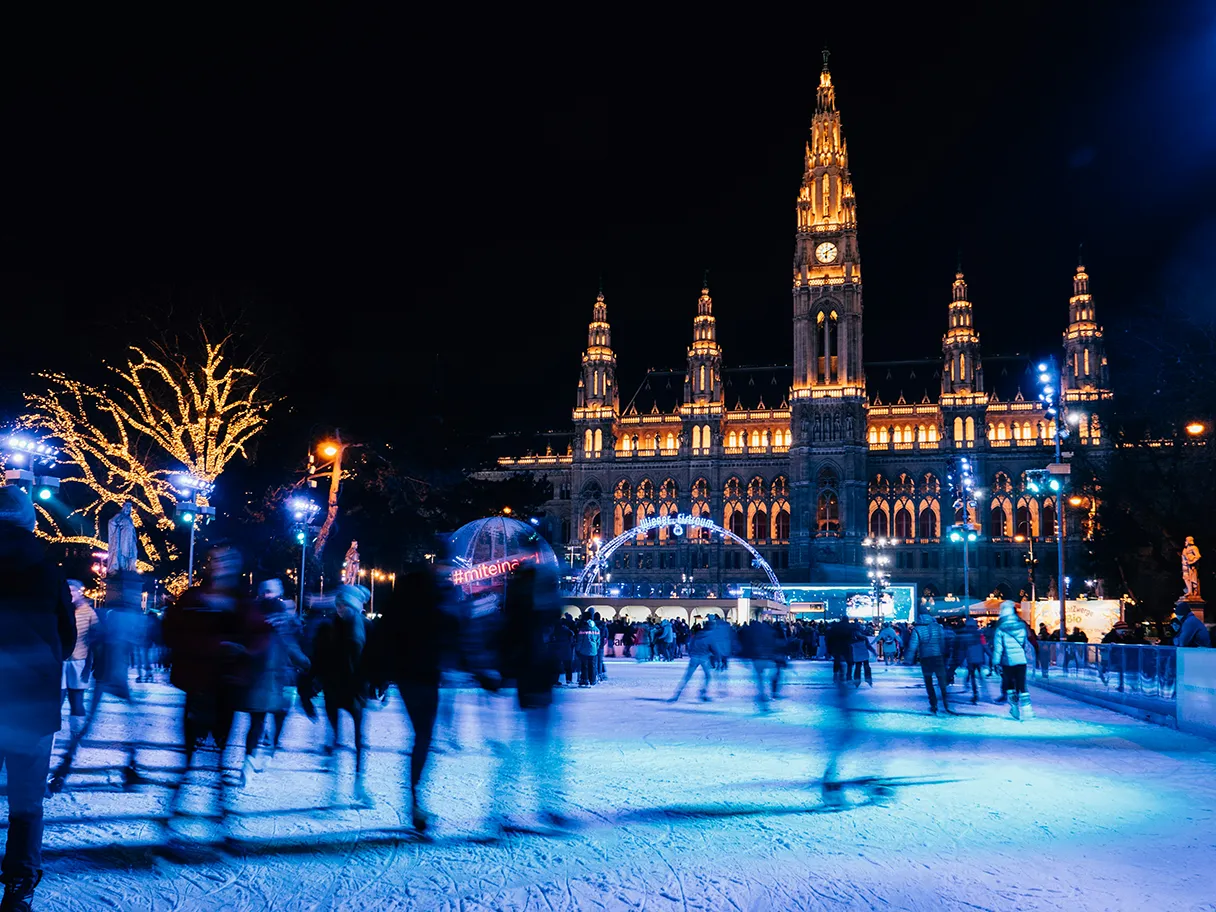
(1190, 569)
(122, 546)
(350, 565)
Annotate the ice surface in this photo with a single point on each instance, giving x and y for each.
(691, 806)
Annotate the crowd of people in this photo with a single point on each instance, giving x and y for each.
(231, 652)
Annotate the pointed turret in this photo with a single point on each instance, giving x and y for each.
(597, 386)
(962, 372)
(704, 384)
(1084, 351)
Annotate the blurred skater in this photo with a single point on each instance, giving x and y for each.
(1009, 641)
(698, 658)
(927, 643)
(530, 608)
(37, 632)
(337, 662)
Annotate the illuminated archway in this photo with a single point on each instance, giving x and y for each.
(676, 524)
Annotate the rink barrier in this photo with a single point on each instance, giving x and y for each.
(1139, 681)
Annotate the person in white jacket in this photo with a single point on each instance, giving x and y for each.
(1009, 652)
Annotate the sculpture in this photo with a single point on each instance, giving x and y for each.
(1190, 570)
(350, 565)
(122, 546)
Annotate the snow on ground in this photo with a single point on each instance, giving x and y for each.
(692, 807)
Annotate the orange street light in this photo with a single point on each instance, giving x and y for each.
(329, 450)
(1195, 428)
(1019, 538)
(1076, 500)
(506, 511)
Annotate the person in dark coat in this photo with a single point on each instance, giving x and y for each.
(37, 632)
(563, 650)
(337, 662)
(202, 630)
(970, 645)
(530, 609)
(928, 643)
(418, 633)
(270, 670)
(1191, 630)
(840, 648)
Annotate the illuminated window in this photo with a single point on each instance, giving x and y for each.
(883, 435)
(962, 367)
(958, 428)
(764, 438)
(702, 386)
(732, 439)
(755, 438)
(970, 428)
(696, 437)
(671, 440)
(908, 438)
(1095, 429)
(1087, 362)
(878, 520)
(827, 513)
(1017, 431)
(595, 383)
(626, 443)
(827, 194)
(1002, 432)
(933, 433)
(873, 434)
(706, 439)
(599, 440)
(587, 438)
(1076, 365)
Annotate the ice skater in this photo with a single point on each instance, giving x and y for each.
(927, 644)
(338, 666)
(1009, 652)
(530, 608)
(698, 658)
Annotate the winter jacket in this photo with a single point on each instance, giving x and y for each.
(270, 669)
(37, 632)
(862, 650)
(530, 609)
(970, 644)
(337, 660)
(698, 642)
(1193, 632)
(587, 643)
(1009, 642)
(928, 639)
(195, 628)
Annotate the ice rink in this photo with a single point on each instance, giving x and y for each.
(689, 806)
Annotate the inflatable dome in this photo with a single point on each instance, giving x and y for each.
(485, 551)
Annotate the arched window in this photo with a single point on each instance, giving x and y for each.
(927, 524)
(732, 439)
(1049, 517)
(1002, 431)
(591, 522)
(1027, 430)
(700, 506)
(1095, 428)
(827, 509)
(759, 522)
(878, 521)
(997, 527)
(903, 523)
(873, 434)
(707, 439)
(764, 438)
(755, 438)
(755, 488)
(883, 435)
(781, 522)
(671, 441)
(908, 434)
(735, 521)
(933, 433)
(587, 442)
(668, 491)
(626, 443)
(696, 437)
(958, 428)
(599, 441)
(970, 428)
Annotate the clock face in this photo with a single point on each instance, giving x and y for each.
(825, 252)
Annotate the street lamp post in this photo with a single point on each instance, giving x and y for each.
(188, 489)
(1052, 398)
(303, 511)
(966, 531)
(1030, 564)
(876, 564)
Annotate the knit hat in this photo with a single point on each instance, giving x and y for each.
(354, 596)
(1007, 609)
(16, 507)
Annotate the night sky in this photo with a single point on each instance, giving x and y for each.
(413, 216)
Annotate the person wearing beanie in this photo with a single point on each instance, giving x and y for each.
(39, 627)
(1009, 652)
(337, 663)
(1191, 630)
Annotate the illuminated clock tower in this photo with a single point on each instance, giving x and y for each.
(828, 456)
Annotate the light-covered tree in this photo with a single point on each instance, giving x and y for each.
(167, 410)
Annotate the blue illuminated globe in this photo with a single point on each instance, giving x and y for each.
(485, 551)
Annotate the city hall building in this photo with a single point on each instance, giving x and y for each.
(806, 461)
